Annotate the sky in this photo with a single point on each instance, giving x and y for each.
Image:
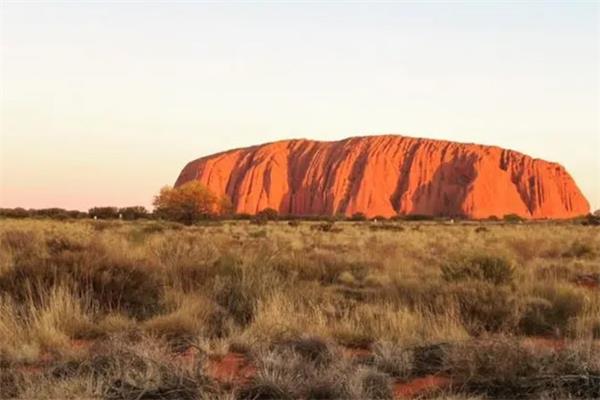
(103, 103)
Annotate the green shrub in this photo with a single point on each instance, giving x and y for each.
(551, 309)
(513, 218)
(377, 385)
(312, 349)
(578, 249)
(269, 214)
(133, 213)
(496, 270)
(236, 291)
(485, 307)
(15, 212)
(359, 216)
(504, 369)
(417, 217)
(104, 212)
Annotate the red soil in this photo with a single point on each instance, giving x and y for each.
(544, 343)
(233, 368)
(388, 175)
(420, 386)
(188, 356)
(591, 281)
(81, 344)
(356, 352)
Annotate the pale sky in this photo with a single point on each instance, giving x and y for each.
(102, 103)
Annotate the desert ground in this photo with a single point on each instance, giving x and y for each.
(298, 310)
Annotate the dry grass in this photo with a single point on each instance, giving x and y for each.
(101, 309)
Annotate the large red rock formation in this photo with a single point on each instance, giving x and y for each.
(388, 175)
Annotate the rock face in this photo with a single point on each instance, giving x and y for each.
(388, 175)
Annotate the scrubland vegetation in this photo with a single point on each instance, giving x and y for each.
(325, 310)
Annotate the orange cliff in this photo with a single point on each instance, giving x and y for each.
(388, 175)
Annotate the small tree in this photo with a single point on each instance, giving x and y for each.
(225, 206)
(513, 218)
(359, 216)
(134, 212)
(104, 212)
(268, 214)
(18, 212)
(187, 203)
(54, 213)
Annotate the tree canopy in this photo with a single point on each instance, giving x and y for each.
(189, 203)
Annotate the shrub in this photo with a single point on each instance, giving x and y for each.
(377, 385)
(393, 360)
(312, 349)
(496, 270)
(378, 218)
(187, 203)
(242, 216)
(54, 213)
(485, 307)
(235, 292)
(592, 220)
(551, 309)
(417, 217)
(133, 213)
(386, 227)
(578, 249)
(268, 214)
(104, 212)
(112, 281)
(325, 227)
(15, 212)
(143, 371)
(359, 216)
(504, 369)
(513, 218)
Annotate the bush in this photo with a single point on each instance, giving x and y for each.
(378, 218)
(496, 270)
(104, 212)
(513, 218)
(14, 212)
(377, 385)
(133, 213)
(312, 349)
(485, 307)
(551, 309)
(268, 214)
(418, 217)
(579, 249)
(54, 213)
(234, 292)
(359, 216)
(325, 227)
(112, 281)
(503, 369)
(242, 216)
(188, 203)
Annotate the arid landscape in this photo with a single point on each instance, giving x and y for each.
(299, 200)
(265, 309)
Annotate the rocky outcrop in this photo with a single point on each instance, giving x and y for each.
(389, 175)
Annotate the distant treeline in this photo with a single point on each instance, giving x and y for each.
(127, 213)
(268, 214)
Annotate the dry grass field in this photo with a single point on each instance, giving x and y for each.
(308, 310)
